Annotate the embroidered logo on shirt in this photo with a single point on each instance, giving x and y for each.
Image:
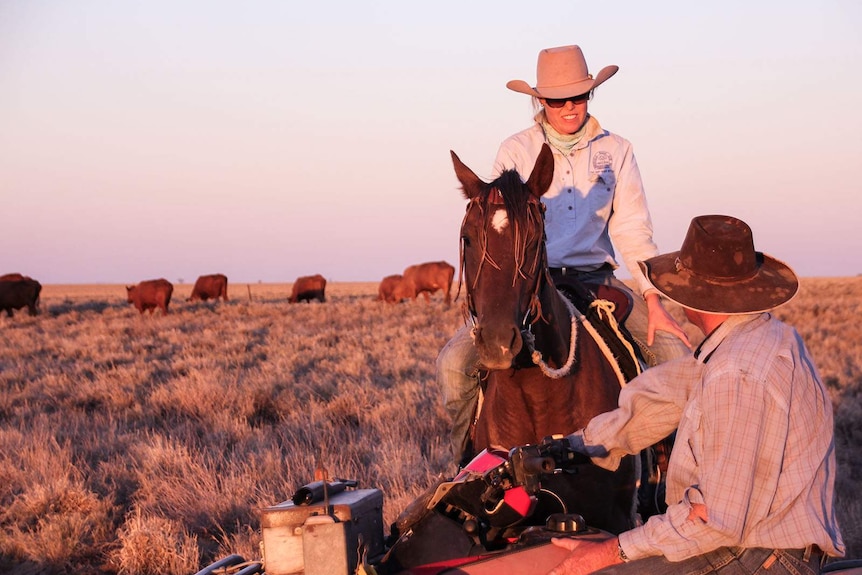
(601, 162)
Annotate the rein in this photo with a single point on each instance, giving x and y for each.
(603, 307)
(536, 355)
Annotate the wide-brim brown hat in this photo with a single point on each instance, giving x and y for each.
(718, 271)
(562, 73)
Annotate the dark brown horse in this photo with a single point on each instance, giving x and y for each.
(546, 373)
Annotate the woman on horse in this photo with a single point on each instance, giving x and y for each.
(596, 197)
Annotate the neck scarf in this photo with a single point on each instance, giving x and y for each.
(563, 142)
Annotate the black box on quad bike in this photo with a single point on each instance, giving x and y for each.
(314, 540)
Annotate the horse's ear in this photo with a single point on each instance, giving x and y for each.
(543, 172)
(470, 183)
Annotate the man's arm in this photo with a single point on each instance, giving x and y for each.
(650, 407)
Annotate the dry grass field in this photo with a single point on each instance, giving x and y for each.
(137, 444)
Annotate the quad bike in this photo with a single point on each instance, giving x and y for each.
(497, 515)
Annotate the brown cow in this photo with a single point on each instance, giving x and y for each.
(151, 294)
(307, 288)
(212, 286)
(18, 291)
(393, 289)
(429, 277)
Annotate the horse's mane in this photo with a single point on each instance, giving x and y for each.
(515, 196)
(516, 200)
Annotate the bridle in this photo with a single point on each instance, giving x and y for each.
(536, 267)
(523, 269)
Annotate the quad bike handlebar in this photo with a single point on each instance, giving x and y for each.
(529, 463)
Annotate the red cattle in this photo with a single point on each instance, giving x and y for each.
(18, 291)
(393, 289)
(429, 277)
(151, 294)
(307, 288)
(212, 286)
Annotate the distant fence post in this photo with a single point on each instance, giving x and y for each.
(249, 291)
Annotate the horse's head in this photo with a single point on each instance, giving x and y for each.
(503, 259)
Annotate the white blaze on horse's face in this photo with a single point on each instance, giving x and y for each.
(500, 221)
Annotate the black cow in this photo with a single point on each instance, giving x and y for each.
(307, 288)
(18, 291)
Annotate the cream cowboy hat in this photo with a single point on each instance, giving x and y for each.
(718, 271)
(562, 73)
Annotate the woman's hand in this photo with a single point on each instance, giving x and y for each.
(660, 319)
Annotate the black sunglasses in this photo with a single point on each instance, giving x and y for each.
(560, 102)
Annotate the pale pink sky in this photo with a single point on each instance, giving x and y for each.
(266, 140)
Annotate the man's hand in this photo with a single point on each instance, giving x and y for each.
(586, 555)
(660, 319)
(698, 513)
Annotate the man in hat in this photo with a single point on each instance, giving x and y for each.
(596, 202)
(751, 477)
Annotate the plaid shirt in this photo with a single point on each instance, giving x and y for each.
(754, 444)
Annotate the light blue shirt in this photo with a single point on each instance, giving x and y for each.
(596, 200)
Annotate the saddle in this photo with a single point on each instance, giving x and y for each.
(587, 299)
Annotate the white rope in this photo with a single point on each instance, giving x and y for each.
(606, 351)
(537, 355)
(607, 308)
(602, 306)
